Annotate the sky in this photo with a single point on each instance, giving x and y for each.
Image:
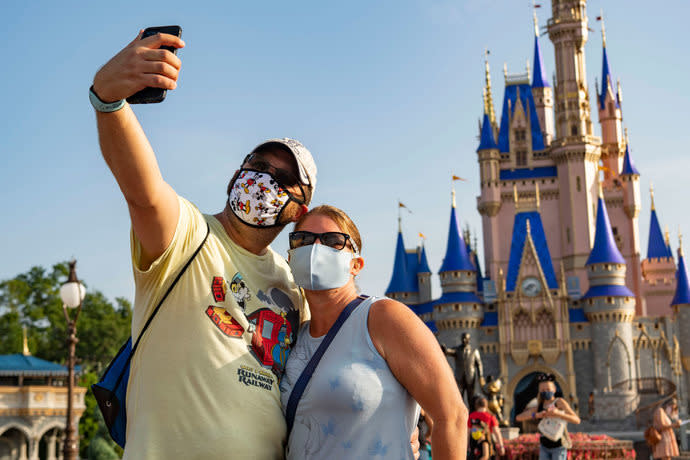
(385, 94)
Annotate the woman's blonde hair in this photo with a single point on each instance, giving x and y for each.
(338, 216)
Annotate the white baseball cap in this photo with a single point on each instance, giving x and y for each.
(305, 162)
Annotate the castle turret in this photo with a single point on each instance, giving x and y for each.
(458, 310)
(610, 118)
(423, 276)
(541, 91)
(681, 307)
(489, 202)
(629, 227)
(575, 150)
(569, 32)
(610, 308)
(658, 269)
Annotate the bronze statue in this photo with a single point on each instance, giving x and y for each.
(468, 367)
(494, 396)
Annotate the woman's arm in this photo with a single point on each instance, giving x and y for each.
(565, 412)
(529, 414)
(415, 358)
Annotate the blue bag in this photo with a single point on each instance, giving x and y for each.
(111, 390)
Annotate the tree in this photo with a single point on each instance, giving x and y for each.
(32, 300)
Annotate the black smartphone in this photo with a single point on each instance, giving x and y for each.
(154, 95)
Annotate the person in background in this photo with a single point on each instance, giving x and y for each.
(481, 412)
(425, 426)
(480, 446)
(549, 406)
(667, 447)
(361, 400)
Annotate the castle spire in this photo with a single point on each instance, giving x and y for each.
(400, 279)
(486, 139)
(457, 257)
(488, 99)
(604, 249)
(539, 79)
(628, 164)
(682, 294)
(423, 263)
(656, 246)
(606, 77)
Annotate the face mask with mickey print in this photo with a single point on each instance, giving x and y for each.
(257, 198)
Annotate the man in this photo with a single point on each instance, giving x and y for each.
(481, 412)
(204, 380)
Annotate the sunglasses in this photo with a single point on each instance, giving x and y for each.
(285, 178)
(335, 240)
(546, 378)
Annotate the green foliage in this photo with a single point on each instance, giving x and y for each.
(100, 449)
(32, 300)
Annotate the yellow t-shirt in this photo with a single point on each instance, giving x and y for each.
(204, 380)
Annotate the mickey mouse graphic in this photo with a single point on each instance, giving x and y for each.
(240, 291)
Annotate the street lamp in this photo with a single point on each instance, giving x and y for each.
(72, 293)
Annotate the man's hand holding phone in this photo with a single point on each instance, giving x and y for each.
(141, 64)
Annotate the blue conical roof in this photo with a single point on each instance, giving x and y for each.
(604, 249)
(628, 165)
(539, 79)
(423, 264)
(400, 281)
(656, 247)
(457, 257)
(487, 140)
(606, 77)
(682, 295)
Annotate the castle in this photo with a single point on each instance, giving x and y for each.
(564, 289)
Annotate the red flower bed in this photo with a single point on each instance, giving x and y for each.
(585, 447)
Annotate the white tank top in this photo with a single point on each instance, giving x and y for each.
(353, 406)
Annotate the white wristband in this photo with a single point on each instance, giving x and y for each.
(105, 107)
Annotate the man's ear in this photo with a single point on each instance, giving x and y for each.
(303, 209)
(357, 266)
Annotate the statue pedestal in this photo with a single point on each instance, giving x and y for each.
(509, 432)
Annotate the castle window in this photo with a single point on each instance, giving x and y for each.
(573, 130)
(520, 135)
(567, 234)
(578, 184)
(609, 300)
(521, 158)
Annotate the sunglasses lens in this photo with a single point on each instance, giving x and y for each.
(298, 239)
(334, 240)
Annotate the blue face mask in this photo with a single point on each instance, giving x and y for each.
(318, 267)
(547, 395)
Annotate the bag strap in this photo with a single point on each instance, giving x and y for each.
(304, 378)
(165, 296)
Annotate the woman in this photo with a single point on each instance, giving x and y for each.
(360, 401)
(557, 409)
(667, 446)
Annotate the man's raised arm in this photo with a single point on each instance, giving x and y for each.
(153, 204)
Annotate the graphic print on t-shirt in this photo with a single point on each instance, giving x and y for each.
(272, 325)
